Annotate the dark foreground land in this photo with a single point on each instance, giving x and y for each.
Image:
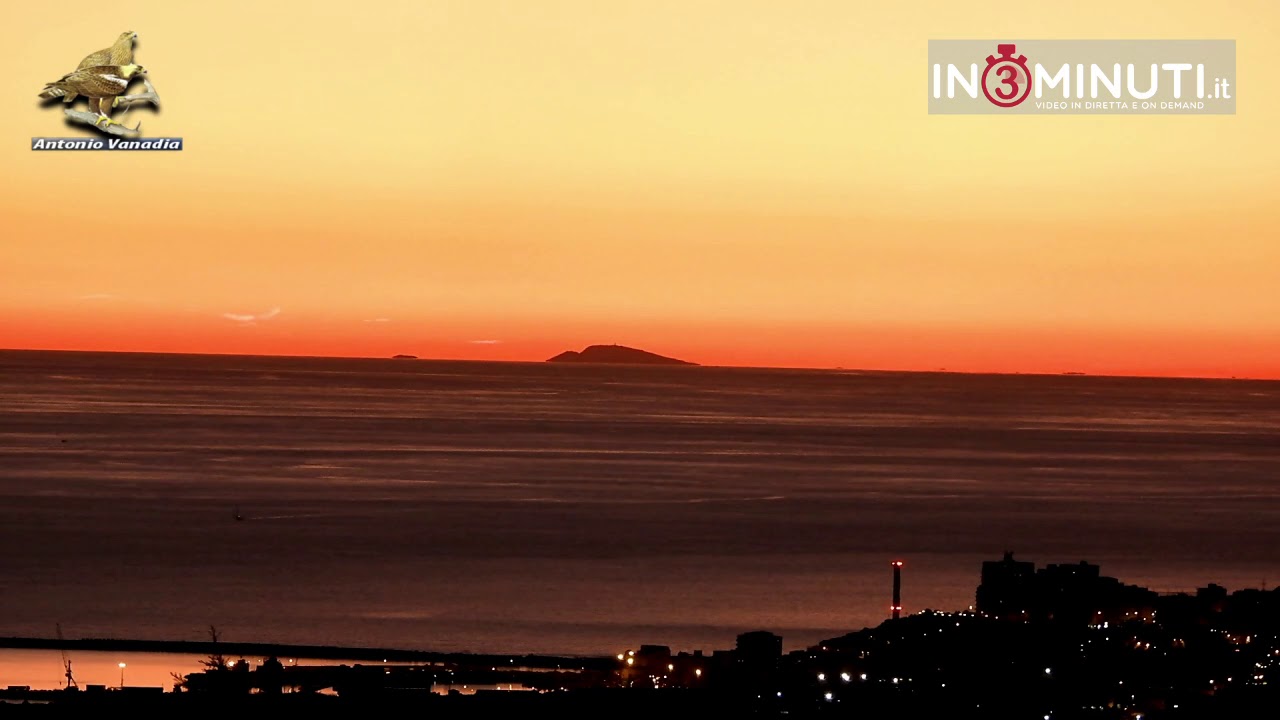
(1062, 641)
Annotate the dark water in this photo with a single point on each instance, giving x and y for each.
(584, 509)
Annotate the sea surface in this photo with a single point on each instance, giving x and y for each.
(585, 509)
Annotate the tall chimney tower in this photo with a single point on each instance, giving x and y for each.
(897, 589)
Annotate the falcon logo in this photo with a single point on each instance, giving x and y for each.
(104, 79)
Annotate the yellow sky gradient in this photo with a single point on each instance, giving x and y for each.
(746, 183)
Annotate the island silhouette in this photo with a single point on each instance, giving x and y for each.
(617, 354)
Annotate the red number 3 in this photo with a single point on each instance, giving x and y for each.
(1009, 76)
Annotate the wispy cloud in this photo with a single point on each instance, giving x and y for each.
(251, 319)
(378, 320)
(486, 342)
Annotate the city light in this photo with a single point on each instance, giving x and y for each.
(635, 669)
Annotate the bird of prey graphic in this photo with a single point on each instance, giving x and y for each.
(101, 84)
(121, 53)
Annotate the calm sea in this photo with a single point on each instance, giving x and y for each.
(529, 507)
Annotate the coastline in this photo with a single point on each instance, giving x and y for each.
(310, 652)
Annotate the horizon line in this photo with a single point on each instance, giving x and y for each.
(692, 365)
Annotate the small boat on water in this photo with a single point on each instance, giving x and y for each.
(237, 515)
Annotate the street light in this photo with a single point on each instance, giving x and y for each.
(122, 667)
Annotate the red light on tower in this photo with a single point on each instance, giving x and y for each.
(896, 608)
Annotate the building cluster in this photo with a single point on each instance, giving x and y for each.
(755, 657)
(1076, 594)
(1017, 590)
(1060, 641)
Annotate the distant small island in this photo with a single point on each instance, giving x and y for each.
(616, 354)
(404, 357)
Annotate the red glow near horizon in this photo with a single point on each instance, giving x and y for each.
(1008, 351)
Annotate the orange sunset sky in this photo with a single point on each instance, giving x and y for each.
(743, 182)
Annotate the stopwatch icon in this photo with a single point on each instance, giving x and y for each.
(1006, 81)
